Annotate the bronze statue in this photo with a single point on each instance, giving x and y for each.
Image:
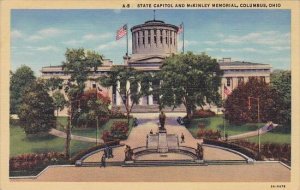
(128, 153)
(199, 152)
(162, 120)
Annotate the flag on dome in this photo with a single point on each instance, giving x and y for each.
(180, 28)
(121, 32)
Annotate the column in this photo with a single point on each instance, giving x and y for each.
(150, 97)
(139, 89)
(128, 90)
(118, 97)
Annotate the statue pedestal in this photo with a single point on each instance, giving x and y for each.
(162, 142)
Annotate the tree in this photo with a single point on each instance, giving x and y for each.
(59, 101)
(54, 83)
(237, 105)
(78, 64)
(189, 79)
(129, 80)
(19, 80)
(36, 111)
(281, 82)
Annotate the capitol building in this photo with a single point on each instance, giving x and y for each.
(152, 42)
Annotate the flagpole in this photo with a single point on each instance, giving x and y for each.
(127, 39)
(183, 37)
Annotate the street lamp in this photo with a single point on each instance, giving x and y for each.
(258, 119)
(224, 124)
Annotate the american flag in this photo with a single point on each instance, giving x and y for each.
(227, 91)
(121, 32)
(180, 28)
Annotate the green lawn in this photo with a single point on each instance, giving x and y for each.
(91, 132)
(216, 123)
(20, 144)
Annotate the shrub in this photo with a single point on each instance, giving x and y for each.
(203, 113)
(31, 161)
(209, 134)
(82, 153)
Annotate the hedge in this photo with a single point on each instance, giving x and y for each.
(243, 150)
(82, 153)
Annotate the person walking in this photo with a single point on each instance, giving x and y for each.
(103, 164)
(182, 138)
(110, 152)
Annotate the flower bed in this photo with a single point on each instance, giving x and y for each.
(118, 130)
(270, 150)
(32, 164)
(203, 114)
(209, 134)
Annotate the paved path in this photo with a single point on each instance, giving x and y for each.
(149, 122)
(259, 172)
(62, 134)
(261, 131)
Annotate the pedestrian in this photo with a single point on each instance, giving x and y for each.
(103, 161)
(110, 153)
(182, 138)
(151, 132)
(106, 152)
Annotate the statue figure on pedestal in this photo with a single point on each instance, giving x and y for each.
(199, 152)
(128, 153)
(162, 120)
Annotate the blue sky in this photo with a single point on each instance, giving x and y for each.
(40, 37)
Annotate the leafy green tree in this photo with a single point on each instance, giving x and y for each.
(54, 83)
(19, 80)
(281, 82)
(36, 111)
(237, 105)
(129, 80)
(59, 101)
(78, 64)
(189, 79)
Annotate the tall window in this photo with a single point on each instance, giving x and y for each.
(149, 38)
(170, 37)
(228, 81)
(263, 79)
(138, 38)
(143, 37)
(155, 33)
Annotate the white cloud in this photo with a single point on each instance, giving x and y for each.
(270, 38)
(47, 48)
(110, 45)
(16, 34)
(97, 36)
(46, 33)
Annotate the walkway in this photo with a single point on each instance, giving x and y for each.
(259, 172)
(266, 128)
(147, 122)
(62, 134)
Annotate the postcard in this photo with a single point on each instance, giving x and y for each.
(149, 94)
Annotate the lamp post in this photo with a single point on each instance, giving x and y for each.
(224, 125)
(258, 120)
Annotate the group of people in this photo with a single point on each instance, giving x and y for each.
(108, 153)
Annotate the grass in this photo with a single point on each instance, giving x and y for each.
(20, 143)
(216, 123)
(91, 132)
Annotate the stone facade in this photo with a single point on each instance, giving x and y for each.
(152, 42)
